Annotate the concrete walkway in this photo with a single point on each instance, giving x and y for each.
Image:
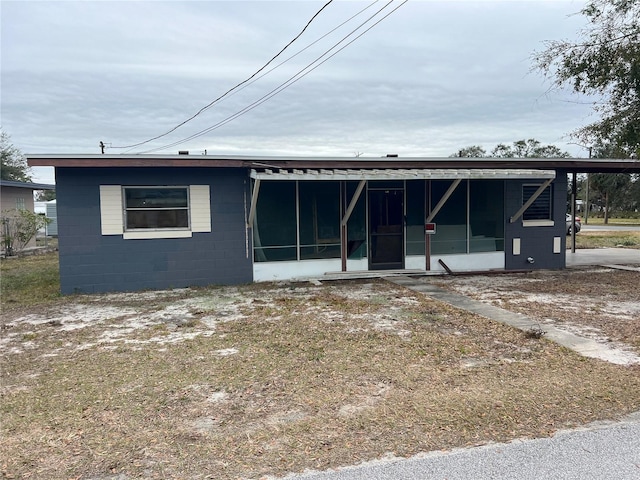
(584, 346)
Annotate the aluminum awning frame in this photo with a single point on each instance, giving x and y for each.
(400, 174)
(363, 175)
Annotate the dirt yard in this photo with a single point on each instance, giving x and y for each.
(263, 380)
(595, 302)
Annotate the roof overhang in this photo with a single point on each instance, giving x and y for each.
(29, 185)
(579, 165)
(400, 174)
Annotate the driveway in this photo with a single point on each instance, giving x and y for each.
(603, 256)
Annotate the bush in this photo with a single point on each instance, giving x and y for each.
(18, 228)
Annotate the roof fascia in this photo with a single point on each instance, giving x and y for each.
(581, 165)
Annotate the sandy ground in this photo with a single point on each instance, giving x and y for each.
(595, 302)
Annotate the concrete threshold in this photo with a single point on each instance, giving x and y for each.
(584, 346)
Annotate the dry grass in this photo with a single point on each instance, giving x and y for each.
(268, 379)
(595, 301)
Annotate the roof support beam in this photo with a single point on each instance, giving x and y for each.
(352, 203)
(533, 198)
(254, 203)
(443, 200)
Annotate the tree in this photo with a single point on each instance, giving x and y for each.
(604, 62)
(14, 165)
(613, 191)
(45, 195)
(474, 151)
(530, 148)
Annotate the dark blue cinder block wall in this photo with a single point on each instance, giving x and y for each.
(91, 262)
(536, 242)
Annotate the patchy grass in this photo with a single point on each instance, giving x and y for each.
(595, 239)
(241, 382)
(29, 280)
(595, 301)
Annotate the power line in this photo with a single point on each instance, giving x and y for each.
(252, 81)
(298, 76)
(233, 88)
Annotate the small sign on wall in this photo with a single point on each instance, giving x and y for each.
(429, 228)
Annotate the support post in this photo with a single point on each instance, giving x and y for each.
(573, 212)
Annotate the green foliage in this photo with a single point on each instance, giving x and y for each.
(530, 148)
(18, 228)
(604, 62)
(13, 165)
(474, 151)
(45, 195)
(613, 191)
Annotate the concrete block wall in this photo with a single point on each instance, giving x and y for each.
(536, 242)
(91, 262)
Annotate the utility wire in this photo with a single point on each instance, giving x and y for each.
(233, 88)
(298, 76)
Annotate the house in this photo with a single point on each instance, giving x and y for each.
(132, 222)
(16, 195)
(48, 209)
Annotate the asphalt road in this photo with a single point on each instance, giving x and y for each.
(597, 452)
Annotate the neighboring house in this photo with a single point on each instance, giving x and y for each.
(131, 222)
(48, 209)
(16, 195)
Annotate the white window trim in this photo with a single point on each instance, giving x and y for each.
(538, 223)
(112, 214)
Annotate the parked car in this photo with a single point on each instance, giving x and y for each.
(578, 224)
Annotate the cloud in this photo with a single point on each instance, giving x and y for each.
(431, 78)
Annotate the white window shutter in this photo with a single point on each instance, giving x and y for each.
(111, 219)
(199, 203)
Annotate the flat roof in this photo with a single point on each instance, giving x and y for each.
(579, 165)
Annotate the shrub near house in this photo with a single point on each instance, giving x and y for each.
(18, 228)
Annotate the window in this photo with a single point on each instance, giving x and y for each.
(154, 211)
(20, 205)
(156, 207)
(540, 209)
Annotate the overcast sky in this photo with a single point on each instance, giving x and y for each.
(431, 78)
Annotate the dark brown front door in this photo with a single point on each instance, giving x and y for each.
(386, 229)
